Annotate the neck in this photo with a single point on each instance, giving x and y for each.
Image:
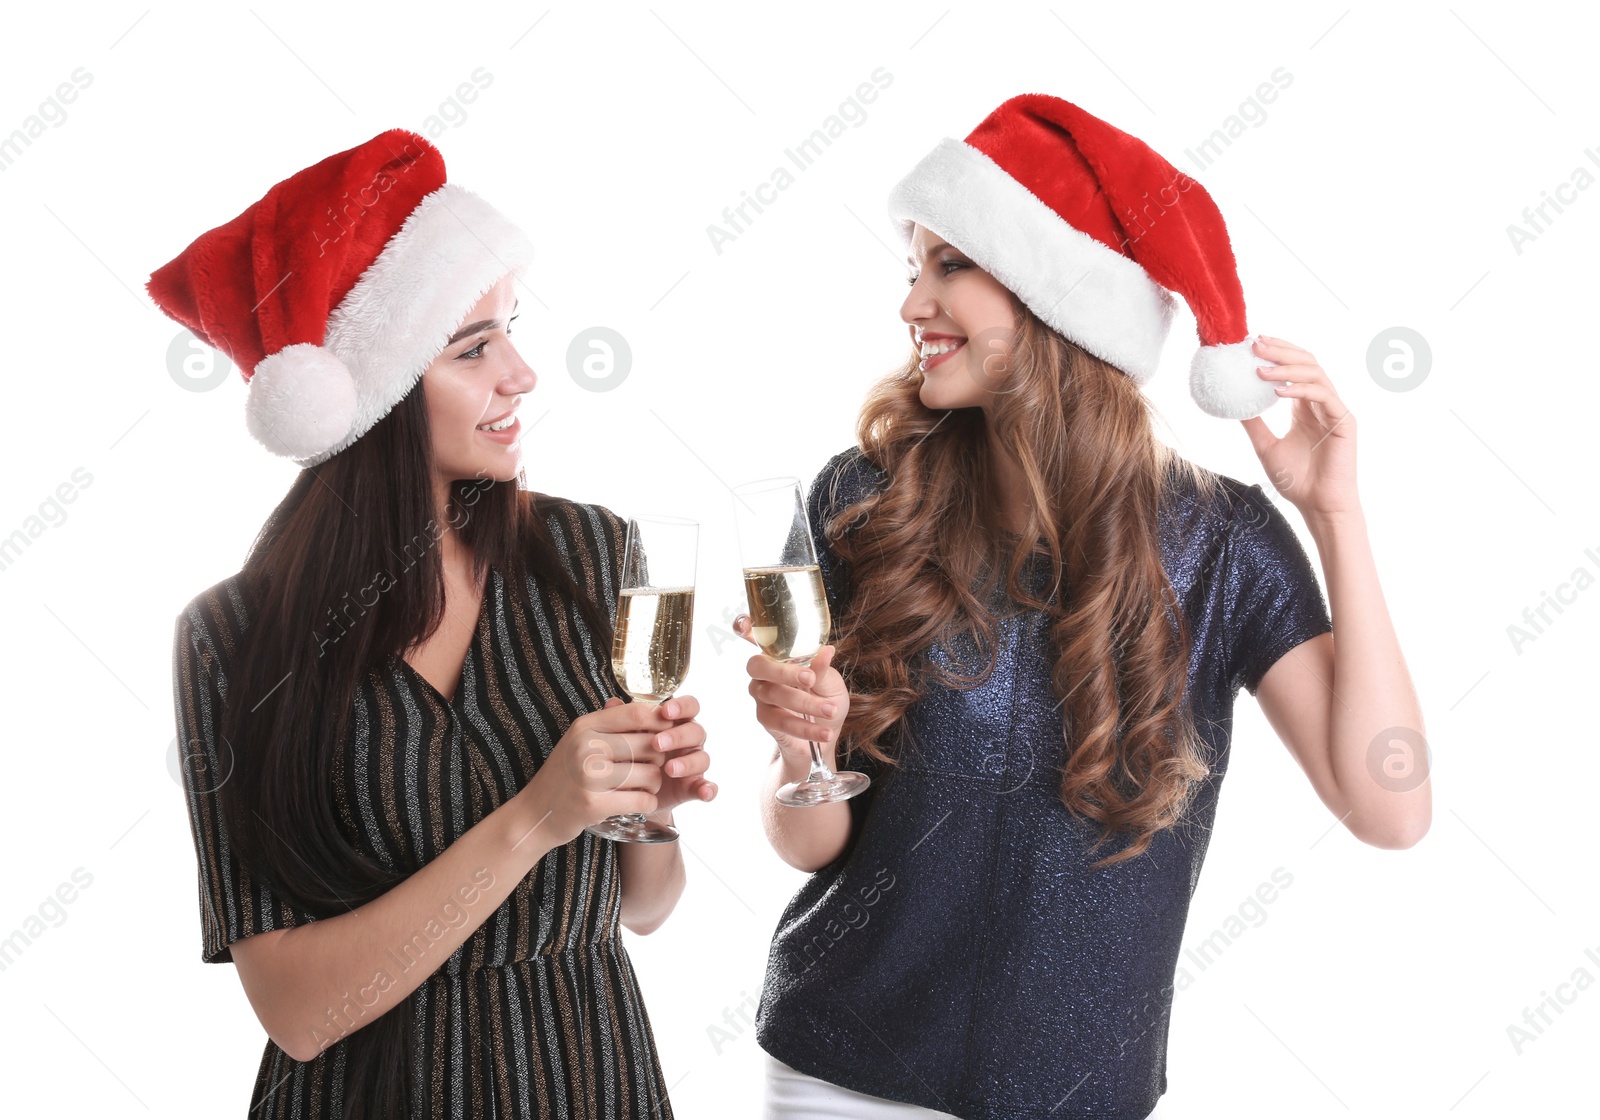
(451, 549)
(1011, 486)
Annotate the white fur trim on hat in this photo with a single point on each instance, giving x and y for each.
(301, 400)
(1095, 296)
(1223, 381)
(400, 314)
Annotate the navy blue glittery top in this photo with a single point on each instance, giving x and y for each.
(960, 954)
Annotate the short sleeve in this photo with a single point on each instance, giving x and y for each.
(233, 905)
(1273, 601)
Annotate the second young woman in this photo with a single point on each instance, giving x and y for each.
(400, 715)
(1043, 618)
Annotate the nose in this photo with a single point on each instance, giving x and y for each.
(919, 304)
(519, 377)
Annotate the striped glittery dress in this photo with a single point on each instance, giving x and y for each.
(538, 1013)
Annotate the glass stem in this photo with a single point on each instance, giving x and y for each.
(819, 771)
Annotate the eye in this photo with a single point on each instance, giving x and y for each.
(477, 351)
(947, 266)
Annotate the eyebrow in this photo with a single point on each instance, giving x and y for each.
(480, 325)
(932, 249)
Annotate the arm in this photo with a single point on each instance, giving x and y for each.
(652, 880)
(1343, 704)
(312, 984)
(806, 837)
(313, 981)
(1332, 701)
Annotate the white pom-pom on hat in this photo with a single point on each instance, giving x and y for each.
(302, 401)
(1224, 383)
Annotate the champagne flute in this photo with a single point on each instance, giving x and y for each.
(650, 650)
(789, 616)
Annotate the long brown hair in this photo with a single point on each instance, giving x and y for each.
(344, 572)
(1081, 432)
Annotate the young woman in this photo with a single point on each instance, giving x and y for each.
(400, 715)
(1043, 617)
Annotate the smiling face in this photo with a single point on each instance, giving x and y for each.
(474, 383)
(962, 320)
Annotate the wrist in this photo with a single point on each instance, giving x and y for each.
(795, 763)
(1340, 523)
(527, 832)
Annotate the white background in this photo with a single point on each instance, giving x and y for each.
(1376, 193)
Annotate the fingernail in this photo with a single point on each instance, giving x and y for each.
(663, 740)
(670, 709)
(827, 711)
(807, 679)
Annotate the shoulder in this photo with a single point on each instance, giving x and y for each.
(843, 480)
(208, 630)
(1226, 532)
(587, 537)
(214, 619)
(1256, 523)
(1226, 509)
(574, 523)
(1262, 552)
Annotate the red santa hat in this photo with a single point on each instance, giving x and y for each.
(1093, 231)
(336, 289)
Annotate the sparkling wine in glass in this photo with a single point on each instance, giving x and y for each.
(789, 616)
(650, 650)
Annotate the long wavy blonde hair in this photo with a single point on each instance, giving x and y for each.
(1081, 431)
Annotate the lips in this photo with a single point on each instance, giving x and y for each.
(508, 435)
(956, 342)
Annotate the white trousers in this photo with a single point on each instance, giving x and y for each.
(792, 1095)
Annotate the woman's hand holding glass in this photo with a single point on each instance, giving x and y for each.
(797, 703)
(684, 760)
(790, 620)
(650, 650)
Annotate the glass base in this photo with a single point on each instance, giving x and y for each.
(813, 790)
(633, 828)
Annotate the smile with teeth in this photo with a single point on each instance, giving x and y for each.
(499, 425)
(933, 353)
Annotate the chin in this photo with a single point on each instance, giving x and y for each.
(505, 471)
(498, 468)
(939, 399)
